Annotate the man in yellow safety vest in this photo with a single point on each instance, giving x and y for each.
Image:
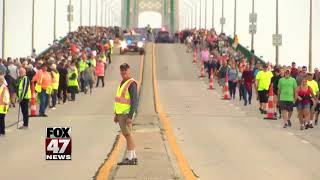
(24, 95)
(125, 106)
(83, 65)
(55, 85)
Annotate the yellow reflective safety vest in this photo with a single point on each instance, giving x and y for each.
(122, 101)
(28, 94)
(82, 66)
(55, 81)
(72, 78)
(3, 93)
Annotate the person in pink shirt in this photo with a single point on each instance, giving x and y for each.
(100, 72)
(205, 57)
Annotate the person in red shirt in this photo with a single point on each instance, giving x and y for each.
(248, 80)
(304, 97)
(294, 70)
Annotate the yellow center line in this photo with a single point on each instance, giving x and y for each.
(181, 160)
(105, 169)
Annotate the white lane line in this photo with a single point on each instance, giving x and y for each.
(291, 134)
(305, 142)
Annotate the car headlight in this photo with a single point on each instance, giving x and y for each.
(140, 44)
(123, 45)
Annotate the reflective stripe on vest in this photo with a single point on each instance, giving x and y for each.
(73, 82)
(82, 65)
(28, 93)
(3, 108)
(122, 101)
(55, 83)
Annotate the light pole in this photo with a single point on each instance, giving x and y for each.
(96, 12)
(70, 15)
(200, 14)
(235, 18)
(277, 31)
(222, 19)
(90, 11)
(310, 37)
(101, 12)
(252, 34)
(32, 35)
(55, 20)
(196, 14)
(212, 13)
(80, 12)
(109, 16)
(205, 12)
(3, 28)
(106, 14)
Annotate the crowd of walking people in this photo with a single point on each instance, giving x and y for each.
(292, 86)
(68, 67)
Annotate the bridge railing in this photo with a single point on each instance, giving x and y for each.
(62, 40)
(246, 52)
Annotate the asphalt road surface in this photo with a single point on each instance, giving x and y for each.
(22, 153)
(223, 139)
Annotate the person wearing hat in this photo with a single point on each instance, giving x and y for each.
(55, 84)
(4, 104)
(126, 103)
(44, 80)
(24, 95)
(263, 81)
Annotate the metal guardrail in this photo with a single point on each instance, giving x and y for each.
(62, 40)
(247, 53)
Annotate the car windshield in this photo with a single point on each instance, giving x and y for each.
(163, 34)
(133, 37)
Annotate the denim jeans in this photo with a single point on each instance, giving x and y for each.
(81, 82)
(232, 89)
(247, 95)
(44, 99)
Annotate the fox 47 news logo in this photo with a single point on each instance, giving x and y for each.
(58, 143)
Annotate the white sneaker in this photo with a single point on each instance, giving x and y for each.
(54, 108)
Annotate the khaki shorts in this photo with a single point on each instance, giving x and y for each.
(122, 119)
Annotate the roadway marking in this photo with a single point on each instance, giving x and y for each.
(105, 169)
(305, 142)
(291, 134)
(181, 160)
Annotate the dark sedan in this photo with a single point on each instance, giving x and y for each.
(163, 37)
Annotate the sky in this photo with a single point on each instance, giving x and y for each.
(293, 25)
